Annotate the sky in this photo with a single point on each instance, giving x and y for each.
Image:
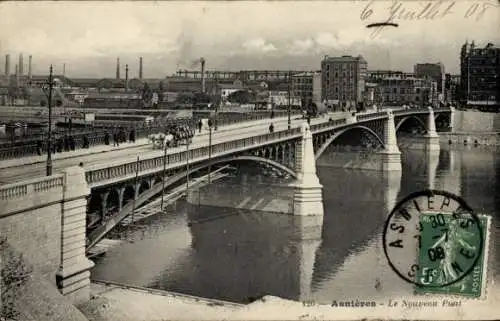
(89, 36)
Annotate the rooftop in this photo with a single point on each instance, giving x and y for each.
(345, 58)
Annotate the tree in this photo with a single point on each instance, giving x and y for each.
(241, 97)
(161, 89)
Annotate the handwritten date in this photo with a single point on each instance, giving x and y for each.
(429, 10)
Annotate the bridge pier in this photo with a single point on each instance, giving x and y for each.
(73, 275)
(452, 118)
(308, 194)
(390, 156)
(431, 137)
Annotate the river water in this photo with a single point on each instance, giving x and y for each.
(240, 255)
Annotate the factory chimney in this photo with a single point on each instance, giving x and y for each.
(64, 70)
(126, 77)
(30, 70)
(140, 67)
(202, 60)
(7, 65)
(21, 65)
(117, 68)
(17, 74)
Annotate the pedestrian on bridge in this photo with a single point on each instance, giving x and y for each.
(106, 138)
(85, 142)
(271, 128)
(115, 140)
(200, 125)
(71, 143)
(39, 147)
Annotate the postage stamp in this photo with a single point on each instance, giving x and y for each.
(434, 240)
(462, 245)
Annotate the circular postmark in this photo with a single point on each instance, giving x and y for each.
(432, 238)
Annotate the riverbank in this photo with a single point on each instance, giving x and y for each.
(112, 302)
(471, 138)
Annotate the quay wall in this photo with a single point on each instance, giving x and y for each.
(470, 121)
(31, 221)
(44, 219)
(471, 138)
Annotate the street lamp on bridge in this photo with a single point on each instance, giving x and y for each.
(47, 88)
(164, 170)
(210, 123)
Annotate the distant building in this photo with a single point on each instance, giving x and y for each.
(480, 76)
(375, 76)
(395, 91)
(307, 86)
(282, 98)
(343, 80)
(434, 71)
(227, 89)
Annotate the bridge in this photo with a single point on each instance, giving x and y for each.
(115, 179)
(114, 185)
(137, 174)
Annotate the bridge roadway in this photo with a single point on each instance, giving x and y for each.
(19, 173)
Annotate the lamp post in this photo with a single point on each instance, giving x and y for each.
(289, 106)
(187, 167)
(48, 86)
(136, 187)
(164, 169)
(209, 148)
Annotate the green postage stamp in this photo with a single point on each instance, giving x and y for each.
(453, 254)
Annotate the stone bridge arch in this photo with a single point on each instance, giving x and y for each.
(406, 118)
(336, 135)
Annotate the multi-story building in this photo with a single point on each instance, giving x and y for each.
(343, 80)
(433, 71)
(377, 75)
(480, 76)
(283, 98)
(413, 91)
(307, 86)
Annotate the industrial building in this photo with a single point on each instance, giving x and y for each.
(480, 76)
(343, 80)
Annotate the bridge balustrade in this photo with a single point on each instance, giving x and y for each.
(120, 170)
(114, 171)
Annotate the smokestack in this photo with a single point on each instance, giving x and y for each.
(21, 65)
(202, 60)
(140, 68)
(17, 74)
(117, 68)
(7, 65)
(126, 77)
(30, 71)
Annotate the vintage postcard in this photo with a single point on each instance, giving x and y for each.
(249, 160)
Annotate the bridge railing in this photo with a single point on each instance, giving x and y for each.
(116, 170)
(336, 122)
(371, 116)
(42, 190)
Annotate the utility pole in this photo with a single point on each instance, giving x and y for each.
(217, 102)
(164, 170)
(135, 192)
(49, 140)
(289, 106)
(209, 149)
(187, 168)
